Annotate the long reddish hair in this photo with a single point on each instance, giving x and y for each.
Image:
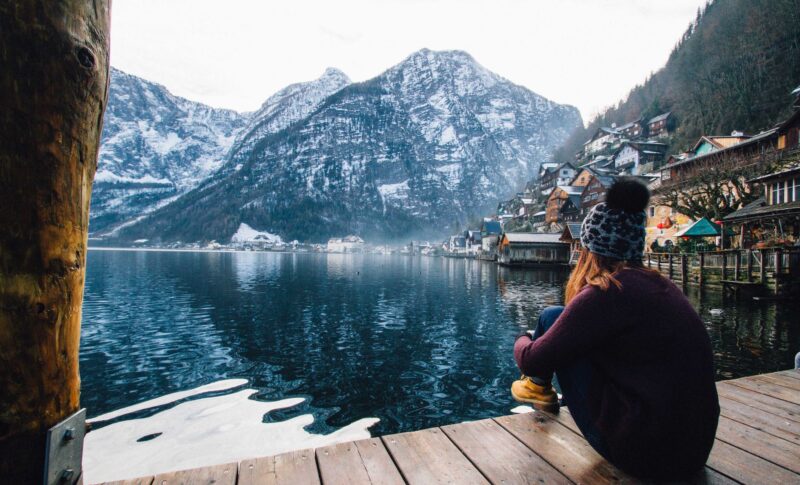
(595, 270)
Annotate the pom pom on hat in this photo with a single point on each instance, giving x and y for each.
(627, 194)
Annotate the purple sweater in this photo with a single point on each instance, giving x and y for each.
(652, 395)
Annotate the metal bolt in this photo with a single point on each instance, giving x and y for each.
(67, 475)
(69, 434)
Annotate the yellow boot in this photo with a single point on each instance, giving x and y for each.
(542, 397)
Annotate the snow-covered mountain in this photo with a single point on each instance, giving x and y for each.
(432, 142)
(155, 147)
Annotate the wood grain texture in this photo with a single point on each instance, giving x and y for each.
(759, 443)
(379, 465)
(132, 481)
(768, 389)
(224, 474)
(341, 464)
(745, 467)
(781, 380)
(429, 457)
(756, 418)
(764, 403)
(54, 85)
(499, 455)
(284, 469)
(568, 452)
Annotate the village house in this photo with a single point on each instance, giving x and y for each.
(635, 157)
(660, 126)
(490, 236)
(602, 138)
(734, 149)
(595, 190)
(632, 130)
(349, 244)
(561, 175)
(774, 218)
(663, 223)
(473, 240)
(572, 235)
(557, 198)
(532, 249)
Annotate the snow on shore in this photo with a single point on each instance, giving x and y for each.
(201, 432)
(246, 234)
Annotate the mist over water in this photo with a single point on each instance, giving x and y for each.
(339, 339)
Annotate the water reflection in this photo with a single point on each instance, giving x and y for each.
(413, 341)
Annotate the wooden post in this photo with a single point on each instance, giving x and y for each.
(762, 269)
(670, 265)
(54, 82)
(684, 270)
(659, 261)
(702, 265)
(749, 255)
(648, 259)
(778, 267)
(737, 264)
(724, 265)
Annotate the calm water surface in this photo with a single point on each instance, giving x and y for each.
(413, 341)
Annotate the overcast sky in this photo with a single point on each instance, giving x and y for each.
(235, 53)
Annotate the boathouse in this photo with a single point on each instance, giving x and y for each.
(532, 249)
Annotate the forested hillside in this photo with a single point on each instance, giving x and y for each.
(733, 69)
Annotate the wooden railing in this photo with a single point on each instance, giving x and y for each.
(733, 265)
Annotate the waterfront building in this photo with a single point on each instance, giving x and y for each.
(349, 244)
(531, 249)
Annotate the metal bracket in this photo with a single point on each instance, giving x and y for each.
(64, 450)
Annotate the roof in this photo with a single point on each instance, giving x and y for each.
(761, 136)
(660, 117)
(759, 209)
(701, 228)
(572, 189)
(628, 124)
(778, 174)
(606, 129)
(532, 238)
(492, 227)
(572, 230)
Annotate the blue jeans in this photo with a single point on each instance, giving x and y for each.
(573, 381)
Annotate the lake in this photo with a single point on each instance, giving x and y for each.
(303, 349)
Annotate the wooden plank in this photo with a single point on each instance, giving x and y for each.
(759, 443)
(769, 389)
(379, 465)
(428, 457)
(285, 469)
(793, 373)
(756, 418)
(568, 452)
(765, 403)
(564, 417)
(224, 474)
(746, 467)
(341, 464)
(706, 476)
(132, 481)
(499, 455)
(780, 380)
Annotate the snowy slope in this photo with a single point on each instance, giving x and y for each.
(155, 146)
(428, 144)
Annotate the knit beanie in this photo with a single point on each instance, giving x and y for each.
(616, 228)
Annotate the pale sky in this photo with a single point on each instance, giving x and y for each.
(236, 53)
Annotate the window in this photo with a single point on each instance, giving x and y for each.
(797, 189)
(774, 198)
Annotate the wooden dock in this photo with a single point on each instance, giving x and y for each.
(758, 442)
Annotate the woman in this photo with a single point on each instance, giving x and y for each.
(632, 357)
